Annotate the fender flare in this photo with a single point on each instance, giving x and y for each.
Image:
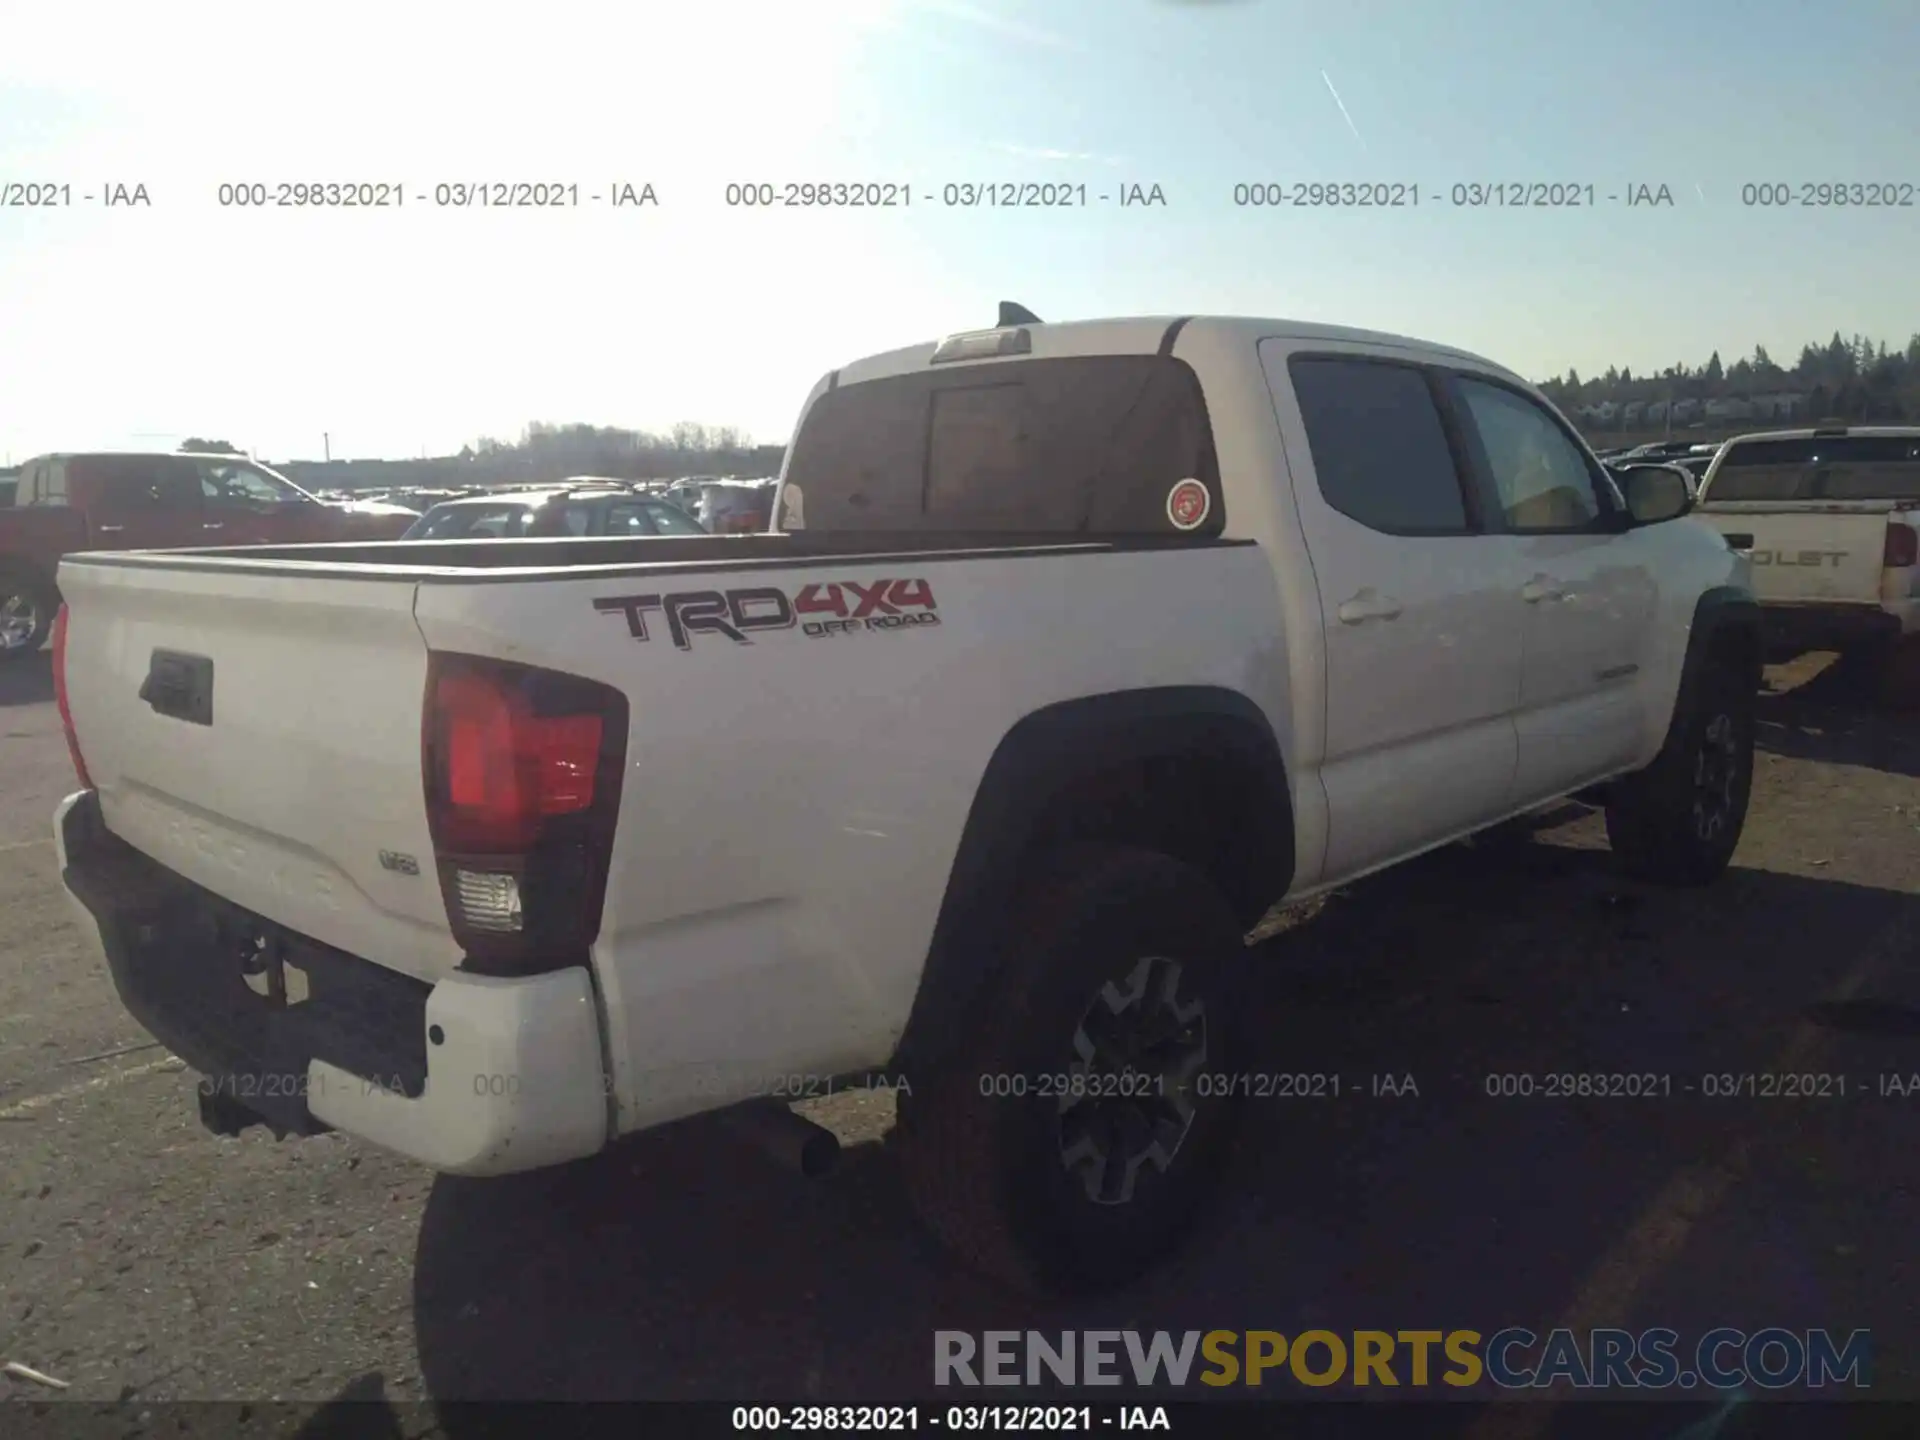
(1721, 609)
(1036, 764)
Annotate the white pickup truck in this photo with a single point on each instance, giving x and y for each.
(1830, 519)
(1078, 646)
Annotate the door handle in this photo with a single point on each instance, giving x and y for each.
(111, 529)
(1368, 605)
(1541, 588)
(214, 525)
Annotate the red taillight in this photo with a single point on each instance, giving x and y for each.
(522, 771)
(1903, 547)
(60, 698)
(507, 768)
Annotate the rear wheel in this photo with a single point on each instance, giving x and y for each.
(1071, 1144)
(27, 608)
(1678, 821)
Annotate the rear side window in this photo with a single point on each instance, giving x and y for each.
(142, 482)
(1882, 468)
(479, 522)
(669, 521)
(1380, 451)
(629, 520)
(1083, 445)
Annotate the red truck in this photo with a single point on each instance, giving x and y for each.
(125, 501)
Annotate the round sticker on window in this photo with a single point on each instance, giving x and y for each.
(1188, 505)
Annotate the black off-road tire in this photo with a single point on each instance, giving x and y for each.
(25, 595)
(985, 1167)
(1678, 821)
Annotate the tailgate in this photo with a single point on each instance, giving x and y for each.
(296, 792)
(1811, 553)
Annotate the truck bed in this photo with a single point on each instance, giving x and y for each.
(295, 790)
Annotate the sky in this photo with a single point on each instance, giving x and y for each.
(401, 331)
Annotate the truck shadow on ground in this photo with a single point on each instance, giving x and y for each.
(28, 680)
(361, 1411)
(681, 1266)
(1830, 714)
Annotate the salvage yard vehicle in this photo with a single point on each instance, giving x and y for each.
(123, 500)
(610, 507)
(735, 507)
(1830, 518)
(1091, 641)
(686, 492)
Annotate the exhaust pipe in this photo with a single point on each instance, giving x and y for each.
(792, 1139)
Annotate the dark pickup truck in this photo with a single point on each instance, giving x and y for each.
(63, 504)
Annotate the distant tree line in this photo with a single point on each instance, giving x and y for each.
(578, 449)
(547, 452)
(1845, 379)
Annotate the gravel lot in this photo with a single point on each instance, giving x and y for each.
(142, 1260)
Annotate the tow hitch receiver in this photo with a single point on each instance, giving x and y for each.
(221, 1114)
(225, 1116)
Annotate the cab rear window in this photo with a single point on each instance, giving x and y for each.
(1082, 445)
(1844, 467)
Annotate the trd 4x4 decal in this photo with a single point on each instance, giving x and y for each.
(842, 607)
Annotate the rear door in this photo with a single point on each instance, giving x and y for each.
(1812, 512)
(140, 502)
(1421, 610)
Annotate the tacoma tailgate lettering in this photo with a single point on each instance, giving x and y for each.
(878, 605)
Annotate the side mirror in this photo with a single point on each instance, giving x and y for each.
(1655, 493)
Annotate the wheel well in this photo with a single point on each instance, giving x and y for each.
(1206, 810)
(1194, 772)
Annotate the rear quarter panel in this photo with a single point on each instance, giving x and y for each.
(792, 806)
(1258, 488)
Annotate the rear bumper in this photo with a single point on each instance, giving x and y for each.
(470, 1075)
(1829, 627)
